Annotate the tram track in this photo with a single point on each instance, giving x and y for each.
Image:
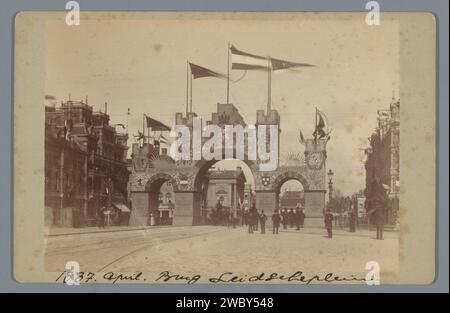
(149, 246)
(74, 247)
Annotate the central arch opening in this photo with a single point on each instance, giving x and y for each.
(291, 200)
(161, 200)
(226, 191)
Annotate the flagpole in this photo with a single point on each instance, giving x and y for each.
(228, 75)
(315, 128)
(191, 92)
(187, 87)
(128, 117)
(143, 128)
(269, 83)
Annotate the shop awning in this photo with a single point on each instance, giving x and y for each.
(122, 207)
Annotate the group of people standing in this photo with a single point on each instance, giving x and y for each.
(293, 217)
(253, 218)
(285, 218)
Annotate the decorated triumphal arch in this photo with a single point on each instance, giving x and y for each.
(152, 167)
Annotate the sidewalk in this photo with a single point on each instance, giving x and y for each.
(62, 231)
(310, 223)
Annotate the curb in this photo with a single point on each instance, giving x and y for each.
(101, 231)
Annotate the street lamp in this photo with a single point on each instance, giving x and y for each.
(330, 185)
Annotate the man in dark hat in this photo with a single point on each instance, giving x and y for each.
(379, 219)
(284, 218)
(302, 217)
(253, 219)
(297, 218)
(329, 223)
(262, 221)
(291, 218)
(276, 218)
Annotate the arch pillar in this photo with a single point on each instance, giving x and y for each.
(187, 208)
(267, 200)
(314, 203)
(140, 208)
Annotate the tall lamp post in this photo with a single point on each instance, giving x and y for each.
(330, 186)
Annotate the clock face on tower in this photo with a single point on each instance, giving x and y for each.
(315, 160)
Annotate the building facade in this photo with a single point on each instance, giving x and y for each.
(383, 159)
(225, 187)
(85, 166)
(164, 215)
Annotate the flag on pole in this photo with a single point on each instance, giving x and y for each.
(200, 72)
(283, 64)
(319, 131)
(156, 125)
(302, 138)
(245, 61)
(324, 120)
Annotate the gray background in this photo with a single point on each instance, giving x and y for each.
(8, 9)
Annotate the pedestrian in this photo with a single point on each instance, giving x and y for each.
(302, 217)
(254, 217)
(245, 218)
(379, 201)
(152, 221)
(284, 218)
(234, 218)
(251, 219)
(329, 223)
(379, 219)
(255, 220)
(262, 221)
(276, 218)
(291, 218)
(352, 221)
(228, 218)
(297, 218)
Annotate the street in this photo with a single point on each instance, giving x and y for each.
(209, 250)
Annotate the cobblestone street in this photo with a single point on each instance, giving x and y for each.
(210, 250)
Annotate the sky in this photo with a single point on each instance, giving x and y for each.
(139, 62)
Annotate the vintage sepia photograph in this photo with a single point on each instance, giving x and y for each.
(221, 148)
